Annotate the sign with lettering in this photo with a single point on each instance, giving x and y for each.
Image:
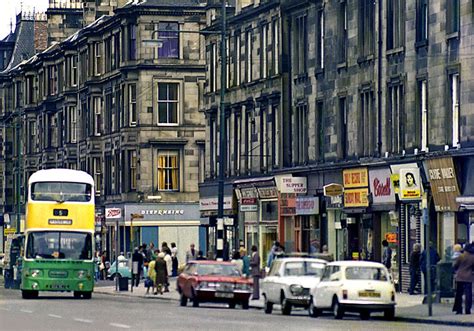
(248, 204)
(410, 184)
(211, 203)
(381, 186)
(444, 184)
(287, 204)
(391, 237)
(307, 205)
(357, 197)
(355, 177)
(288, 184)
(333, 190)
(113, 213)
(55, 221)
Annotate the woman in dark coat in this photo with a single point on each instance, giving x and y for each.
(161, 273)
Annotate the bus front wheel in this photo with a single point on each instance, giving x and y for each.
(28, 294)
(87, 295)
(77, 294)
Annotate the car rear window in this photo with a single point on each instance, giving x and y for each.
(366, 273)
(218, 270)
(304, 268)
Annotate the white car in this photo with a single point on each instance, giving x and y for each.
(289, 282)
(355, 286)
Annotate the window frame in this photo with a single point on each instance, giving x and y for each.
(177, 102)
(169, 170)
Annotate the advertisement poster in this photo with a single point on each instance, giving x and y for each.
(410, 184)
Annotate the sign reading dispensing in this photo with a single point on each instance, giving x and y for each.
(410, 184)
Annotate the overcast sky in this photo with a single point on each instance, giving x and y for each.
(9, 9)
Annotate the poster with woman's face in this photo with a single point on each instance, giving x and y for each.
(410, 184)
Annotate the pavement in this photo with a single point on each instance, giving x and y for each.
(410, 308)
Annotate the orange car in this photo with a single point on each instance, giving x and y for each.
(213, 281)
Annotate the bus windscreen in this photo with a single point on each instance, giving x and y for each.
(59, 245)
(61, 191)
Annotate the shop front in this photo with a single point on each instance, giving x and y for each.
(384, 216)
(358, 220)
(208, 207)
(154, 223)
(445, 191)
(258, 213)
(407, 183)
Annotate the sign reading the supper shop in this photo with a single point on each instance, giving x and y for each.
(444, 184)
(357, 197)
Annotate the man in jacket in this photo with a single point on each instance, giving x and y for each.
(464, 266)
(137, 258)
(434, 259)
(387, 255)
(255, 271)
(191, 254)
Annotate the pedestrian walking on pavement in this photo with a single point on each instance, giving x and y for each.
(174, 257)
(191, 254)
(256, 274)
(464, 266)
(245, 262)
(169, 266)
(161, 273)
(434, 259)
(237, 261)
(151, 275)
(386, 255)
(137, 258)
(414, 268)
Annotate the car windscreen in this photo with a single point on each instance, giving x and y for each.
(61, 191)
(304, 268)
(217, 270)
(366, 273)
(59, 245)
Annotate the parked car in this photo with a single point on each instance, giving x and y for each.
(355, 286)
(213, 281)
(289, 282)
(123, 270)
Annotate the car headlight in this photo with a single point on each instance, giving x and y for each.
(242, 286)
(81, 273)
(296, 289)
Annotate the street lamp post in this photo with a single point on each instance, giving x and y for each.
(222, 138)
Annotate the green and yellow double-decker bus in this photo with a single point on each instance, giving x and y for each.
(59, 234)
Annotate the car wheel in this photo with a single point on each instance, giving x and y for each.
(232, 304)
(364, 315)
(268, 305)
(389, 314)
(183, 300)
(285, 305)
(337, 309)
(245, 304)
(312, 310)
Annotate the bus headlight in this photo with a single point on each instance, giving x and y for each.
(82, 274)
(35, 273)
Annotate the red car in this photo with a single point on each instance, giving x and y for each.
(213, 281)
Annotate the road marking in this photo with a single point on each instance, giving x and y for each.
(123, 326)
(54, 316)
(82, 320)
(26, 311)
(6, 309)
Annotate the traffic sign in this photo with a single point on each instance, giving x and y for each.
(8, 231)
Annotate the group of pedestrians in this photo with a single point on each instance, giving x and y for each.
(155, 265)
(419, 264)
